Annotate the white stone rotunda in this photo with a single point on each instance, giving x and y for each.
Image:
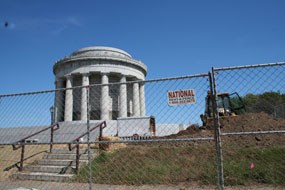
(99, 65)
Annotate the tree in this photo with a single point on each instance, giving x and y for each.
(265, 102)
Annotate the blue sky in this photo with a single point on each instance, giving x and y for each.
(172, 37)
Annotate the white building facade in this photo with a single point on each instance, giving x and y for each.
(100, 68)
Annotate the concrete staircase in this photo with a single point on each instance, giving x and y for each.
(56, 166)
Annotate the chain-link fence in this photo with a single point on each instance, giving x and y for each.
(126, 133)
(208, 130)
(252, 136)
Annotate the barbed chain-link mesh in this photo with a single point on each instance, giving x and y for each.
(155, 134)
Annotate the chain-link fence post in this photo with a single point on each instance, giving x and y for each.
(88, 139)
(218, 142)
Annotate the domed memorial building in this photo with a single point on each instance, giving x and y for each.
(100, 66)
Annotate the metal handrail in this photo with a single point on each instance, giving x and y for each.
(19, 162)
(76, 142)
(21, 143)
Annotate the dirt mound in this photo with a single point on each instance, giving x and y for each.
(252, 122)
(242, 123)
(191, 132)
(246, 122)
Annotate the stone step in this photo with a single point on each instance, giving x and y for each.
(43, 176)
(53, 156)
(50, 162)
(81, 151)
(49, 169)
(56, 166)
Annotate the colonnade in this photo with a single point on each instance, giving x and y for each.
(65, 112)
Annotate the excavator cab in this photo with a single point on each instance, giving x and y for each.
(227, 105)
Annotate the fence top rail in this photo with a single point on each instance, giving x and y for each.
(155, 80)
(27, 93)
(176, 78)
(249, 66)
(36, 133)
(253, 133)
(153, 140)
(109, 84)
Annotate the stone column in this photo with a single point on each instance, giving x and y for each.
(105, 97)
(123, 106)
(136, 99)
(68, 109)
(85, 83)
(131, 107)
(142, 99)
(58, 102)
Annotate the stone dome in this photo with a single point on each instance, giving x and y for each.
(99, 51)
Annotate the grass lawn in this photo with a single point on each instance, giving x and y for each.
(176, 163)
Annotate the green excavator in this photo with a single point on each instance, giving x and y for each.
(228, 105)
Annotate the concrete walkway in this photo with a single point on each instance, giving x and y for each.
(39, 185)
